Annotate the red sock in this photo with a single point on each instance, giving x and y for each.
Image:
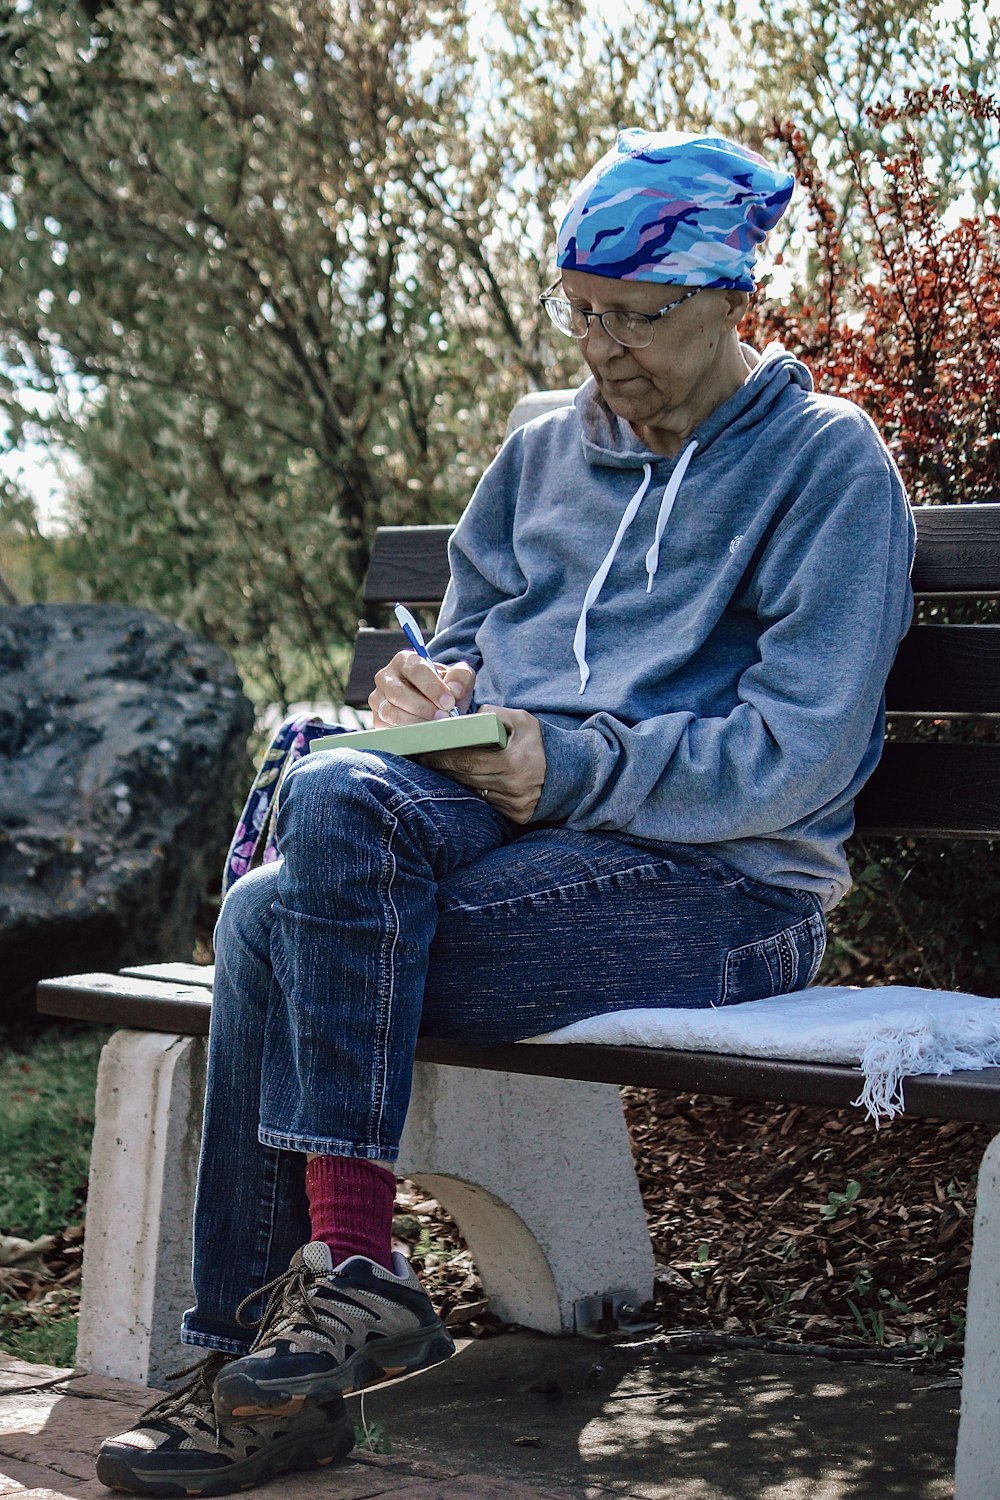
(350, 1205)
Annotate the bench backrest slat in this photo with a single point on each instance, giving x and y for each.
(941, 670)
(958, 553)
(372, 649)
(933, 788)
(408, 563)
(946, 670)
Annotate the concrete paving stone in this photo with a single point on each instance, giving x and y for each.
(348, 1481)
(38, 1482)
(475, 1487)
(16, 1477)
(62, 1451)
(93, 1491)
(416, 1469)
(19, 1477)
(34, 1494)
(646, 1421)
(102, 1388)
(363, 1476)
(60, 1430)
(53, 1420)
(15, 1374)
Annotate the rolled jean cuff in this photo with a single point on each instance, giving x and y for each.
(325, 1146)
(214, 1341)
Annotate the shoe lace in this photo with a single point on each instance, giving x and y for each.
(288, 1292)
(197, 1391)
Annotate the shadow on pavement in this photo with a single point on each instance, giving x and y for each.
(588, 1419)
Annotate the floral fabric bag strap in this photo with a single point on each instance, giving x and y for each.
(254, 841)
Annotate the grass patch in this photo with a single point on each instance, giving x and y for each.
(47, 1086)
(46, 1123)
(42, 1332)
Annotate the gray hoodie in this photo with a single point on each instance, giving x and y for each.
(705, 639)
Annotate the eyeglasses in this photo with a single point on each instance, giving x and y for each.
(632, 329)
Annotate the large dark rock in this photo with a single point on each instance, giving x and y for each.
(121, 741)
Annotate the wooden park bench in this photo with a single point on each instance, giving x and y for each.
(491, 1130)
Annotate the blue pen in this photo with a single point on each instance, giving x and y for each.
(413, 634)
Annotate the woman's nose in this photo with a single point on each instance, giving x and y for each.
(599, 345)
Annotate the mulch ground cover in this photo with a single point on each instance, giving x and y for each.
(778, 1224)
(769, 1224)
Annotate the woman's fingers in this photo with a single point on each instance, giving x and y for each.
(408, 690)
(461, 679)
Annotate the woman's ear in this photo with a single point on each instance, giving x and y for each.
(737, 303)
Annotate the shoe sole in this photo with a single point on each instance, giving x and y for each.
(294, 1452)
(240, 1396)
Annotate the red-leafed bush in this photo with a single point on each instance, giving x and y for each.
(899, 310)
(902, 308)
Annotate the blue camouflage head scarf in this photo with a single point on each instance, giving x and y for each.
(667, 206)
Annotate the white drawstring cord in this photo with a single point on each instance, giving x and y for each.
(597, 582)
(666, 506)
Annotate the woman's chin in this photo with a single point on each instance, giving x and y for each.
(628, 399)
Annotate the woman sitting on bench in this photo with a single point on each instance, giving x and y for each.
(682, 596)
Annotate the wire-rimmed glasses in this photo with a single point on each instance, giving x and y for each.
(634, 330)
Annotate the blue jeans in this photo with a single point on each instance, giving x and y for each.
(403, 904)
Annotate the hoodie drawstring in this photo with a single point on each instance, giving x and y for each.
(652, 556)
(597, 582)
(666, 506)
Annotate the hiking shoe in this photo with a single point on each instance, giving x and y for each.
(329, 1330)
(177, 1447)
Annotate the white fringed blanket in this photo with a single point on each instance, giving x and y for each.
(889, 1032)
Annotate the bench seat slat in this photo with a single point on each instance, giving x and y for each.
(199, 975)
(958, 553)
(159, 1005)
(956, 1096)
(119, 1000)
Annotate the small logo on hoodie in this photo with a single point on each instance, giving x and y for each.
(735, 542)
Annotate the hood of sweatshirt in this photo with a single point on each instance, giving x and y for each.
(610, 442)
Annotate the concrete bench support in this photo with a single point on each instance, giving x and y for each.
(977, 1461)
(537, 1172)
(143, 1167)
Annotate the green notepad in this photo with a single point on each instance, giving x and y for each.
(421, 739)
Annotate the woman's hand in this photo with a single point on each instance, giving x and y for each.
(409, 690)
(513, 777)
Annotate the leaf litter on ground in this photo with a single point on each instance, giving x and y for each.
(774, 1224)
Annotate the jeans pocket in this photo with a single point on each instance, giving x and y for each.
(775, 965)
